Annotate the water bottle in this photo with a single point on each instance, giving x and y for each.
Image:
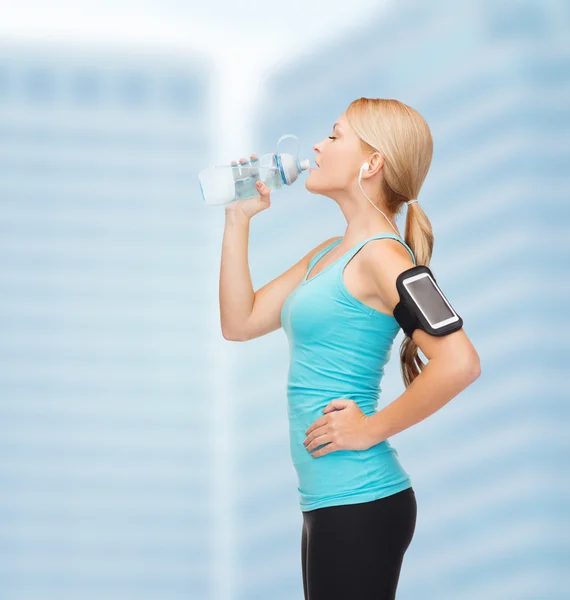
(223, 184)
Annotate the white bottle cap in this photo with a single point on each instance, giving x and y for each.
(291, 167)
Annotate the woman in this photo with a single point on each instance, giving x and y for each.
(335, 305)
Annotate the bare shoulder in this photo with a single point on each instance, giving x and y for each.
(327, 242)
(309, 256)
(382, 261)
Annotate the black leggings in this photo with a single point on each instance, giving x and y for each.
(355, 551)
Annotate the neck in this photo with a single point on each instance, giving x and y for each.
(363, 220)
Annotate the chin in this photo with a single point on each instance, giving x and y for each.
(310, 186)
(315, 190)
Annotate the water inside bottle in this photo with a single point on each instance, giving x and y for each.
(248, 172)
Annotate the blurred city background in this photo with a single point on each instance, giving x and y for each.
(142, 455)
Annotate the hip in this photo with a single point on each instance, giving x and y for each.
(346, 476)
(402, 501)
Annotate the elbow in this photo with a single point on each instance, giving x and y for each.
(465, 368)
(471, 367)
(473, 372)
(233, 337)
(477, 368)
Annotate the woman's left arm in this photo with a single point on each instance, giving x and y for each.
(453, 363)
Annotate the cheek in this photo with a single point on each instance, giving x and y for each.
(340, 165)
(337, 171)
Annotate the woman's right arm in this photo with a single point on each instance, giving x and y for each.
(246, 314)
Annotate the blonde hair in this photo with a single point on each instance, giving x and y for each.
(404, 139)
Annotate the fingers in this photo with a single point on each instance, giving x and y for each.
(262, 188)
(320, 441)
(251, 169)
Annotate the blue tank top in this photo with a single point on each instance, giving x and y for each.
(338, 349)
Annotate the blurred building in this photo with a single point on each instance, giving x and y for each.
(105, 368)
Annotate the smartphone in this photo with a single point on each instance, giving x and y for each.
(429, 299)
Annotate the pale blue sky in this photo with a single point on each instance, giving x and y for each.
(217, 26)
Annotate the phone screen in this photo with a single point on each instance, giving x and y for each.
(428, 297)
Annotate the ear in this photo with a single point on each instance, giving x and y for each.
(375, 163)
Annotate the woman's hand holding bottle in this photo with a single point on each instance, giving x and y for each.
(252, 205)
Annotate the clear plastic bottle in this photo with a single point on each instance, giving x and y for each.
(223, 184)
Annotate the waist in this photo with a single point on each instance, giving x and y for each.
(314, 373)
(305, 405)
(347, 475)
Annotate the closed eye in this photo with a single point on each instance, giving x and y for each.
(331, 137)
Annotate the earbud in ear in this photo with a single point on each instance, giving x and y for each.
(365, 166)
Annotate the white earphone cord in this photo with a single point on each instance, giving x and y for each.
(365, 166)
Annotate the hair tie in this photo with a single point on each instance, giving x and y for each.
(410, 202)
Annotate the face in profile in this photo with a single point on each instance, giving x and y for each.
(338, 160)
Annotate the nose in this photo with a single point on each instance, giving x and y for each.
(317, 149)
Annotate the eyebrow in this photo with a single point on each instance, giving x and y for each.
(336, 124)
